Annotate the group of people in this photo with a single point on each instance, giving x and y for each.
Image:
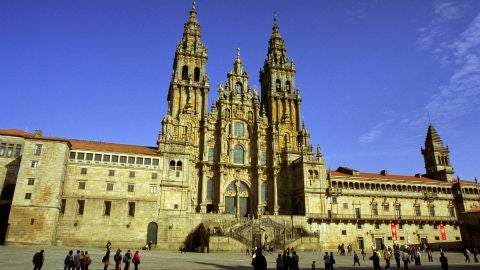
(80, 260)
(118, 258)
(288, 261)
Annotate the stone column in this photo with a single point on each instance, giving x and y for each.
(221, 193)
(203, 204)
(276, 207)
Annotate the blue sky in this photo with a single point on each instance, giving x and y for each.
(372, 74)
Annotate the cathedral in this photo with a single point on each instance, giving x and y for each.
(243, 172)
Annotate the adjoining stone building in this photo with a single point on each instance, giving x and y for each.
(244, 169)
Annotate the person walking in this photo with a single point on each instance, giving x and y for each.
(475, 254)
(332, 260)
(326, 260)
(106, 260)
(136, 259)
(88, 260)
(443, 261)
(83, 260)
(127, 258)
(76, 260)
(118, 259)
(376, 261)
(396, 253)
(405, 259)
(68, 262)
(259, 262)
(467, 255)
(38, 260)
(295, 261)
(279, 262)
(356, 259)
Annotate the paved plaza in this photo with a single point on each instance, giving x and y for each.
(18, 258)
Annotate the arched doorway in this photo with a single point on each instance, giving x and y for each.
(152, 232)
(236, 199)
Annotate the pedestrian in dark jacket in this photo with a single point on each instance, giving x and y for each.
(38, 260)
(259, 262)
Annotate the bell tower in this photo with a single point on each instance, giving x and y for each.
(437, 157)
(189, 86)
(280, 98)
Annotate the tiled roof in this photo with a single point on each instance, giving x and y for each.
(86, 145)
(112, 147)
(24, 134)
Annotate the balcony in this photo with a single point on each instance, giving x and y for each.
(382, 218)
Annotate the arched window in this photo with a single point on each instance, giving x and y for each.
(196, 74)
(179, 165)
(209, 189)
(172, 165)
(238, 88)
(238, 129)
(238, 154)
(184, 73)
(278, 85)
(263, 191)
(287, 87)
(263, 158)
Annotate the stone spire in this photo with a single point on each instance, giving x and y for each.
(436, 157)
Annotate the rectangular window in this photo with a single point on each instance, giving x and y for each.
(345, 205)
(111, 172)
(334, 199)
(431, 209)
(3, 147)
(377, 226)
(62, 206)
(109, 186)
(89, 156)
(344, 232)
(38, 150)
(386, 207)
(18, 150)
(98, 157)
(72, 155)
(131, 160)
(80, 207)
(106, 158)
(123, 159)
(177, 174)
(139, 160)
(31, 181)
(131, 209)
(107, 208)
(435, 226)
(81, 185)
(148, 161)
(154, 175)
(81, 156)
(10, 150)
(114, 158)
(153, 189)
(131, 188)
(374, 209)
(400, 226)
(131, 174)
(359, 225)
(28, 196)
(155, 162)
(420, 226)
(83, 171)
(34, 164)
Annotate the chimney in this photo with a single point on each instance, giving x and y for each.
(383, 172)
(38, 133)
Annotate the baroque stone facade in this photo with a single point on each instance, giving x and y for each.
(244, 168)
